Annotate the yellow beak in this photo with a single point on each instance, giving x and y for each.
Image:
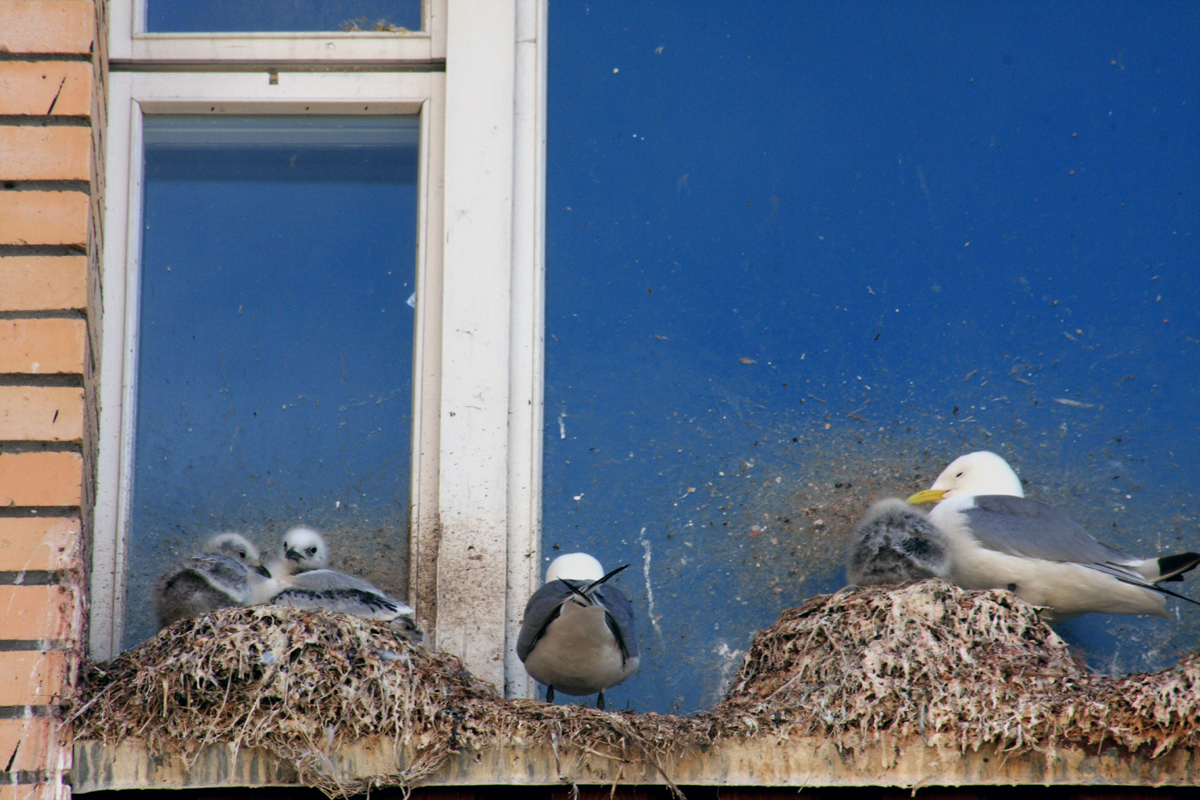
(927, 496)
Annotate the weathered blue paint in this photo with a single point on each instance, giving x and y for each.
(246, 16)
(275, 360)
(800, 255)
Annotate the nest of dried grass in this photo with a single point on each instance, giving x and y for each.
(296, 682)
(300, 683)
(926, 662)
(954, 669)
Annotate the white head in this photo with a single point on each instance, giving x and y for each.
(305, 549)
(575, 567)
(233, 545)
(978, 473)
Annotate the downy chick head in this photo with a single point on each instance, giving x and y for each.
(304, 549)
(235, 546)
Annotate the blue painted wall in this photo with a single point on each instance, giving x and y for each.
(800, 255)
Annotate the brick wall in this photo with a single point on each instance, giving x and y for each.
(51, 93)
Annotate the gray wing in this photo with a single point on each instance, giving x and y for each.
(337, 591)
(201, 585)
(1022, 527)
(326, 579)
(225, 574)
(619, 616)
(542, 609)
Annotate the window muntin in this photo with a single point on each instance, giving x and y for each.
(255, 16)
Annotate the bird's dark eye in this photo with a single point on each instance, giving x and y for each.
(312, 551)
(959, 475)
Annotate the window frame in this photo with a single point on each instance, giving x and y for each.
(475, 492)
(130, 45)
(132, 95)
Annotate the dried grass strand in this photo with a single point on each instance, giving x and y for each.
(926, 664)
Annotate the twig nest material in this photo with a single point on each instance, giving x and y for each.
(298, 682)
(877, 668)
(930, 663)
(925, 661)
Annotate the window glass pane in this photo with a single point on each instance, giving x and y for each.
(261, 16)
(803, 255)
(275, 341)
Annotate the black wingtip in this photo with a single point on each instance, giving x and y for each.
(576, 590)
(1173, 568)
(1178, 595)
(606, 577)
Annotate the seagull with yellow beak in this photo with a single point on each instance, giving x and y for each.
(999, 539)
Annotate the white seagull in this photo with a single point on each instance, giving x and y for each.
(1000, 539)
(300, 580)
(578, 636)
(895, 543)
(220, 576)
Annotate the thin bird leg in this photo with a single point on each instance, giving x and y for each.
(549, 694)
(600, 697)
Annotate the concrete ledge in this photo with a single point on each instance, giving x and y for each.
(806, 762)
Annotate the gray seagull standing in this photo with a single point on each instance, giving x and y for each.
(220, 576)
(578, 636)
(999, 539)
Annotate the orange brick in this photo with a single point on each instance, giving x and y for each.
(43, 283)
(40, 479)
(34, 791)
(47, 543)
(46, 88)
(35, 613)
(29, 678)
(24, 791)
(41, 414)
(42, 346)
(46, 26)
(43, 217)
(45, 154)
(27, 742)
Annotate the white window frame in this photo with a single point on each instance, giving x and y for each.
(129, 44)
(475, 524)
